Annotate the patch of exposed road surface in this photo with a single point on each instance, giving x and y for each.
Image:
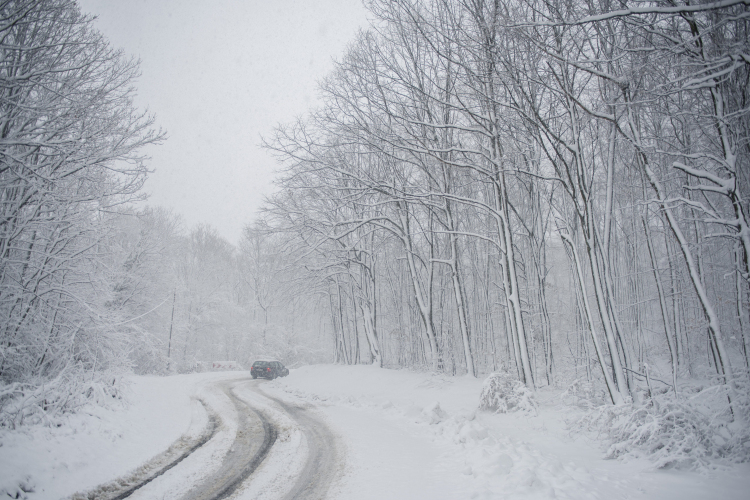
(265, 460)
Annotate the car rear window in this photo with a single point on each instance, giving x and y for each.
(261, 364)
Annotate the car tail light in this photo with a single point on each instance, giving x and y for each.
(268, 369)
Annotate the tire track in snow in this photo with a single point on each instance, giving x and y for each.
(305, 460)
(323, 459)
(245, 455)
(255, 437)
(123, 487)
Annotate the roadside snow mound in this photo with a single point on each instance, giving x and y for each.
(503, 394)
(517, 454)
(433, 413)
(495, 462)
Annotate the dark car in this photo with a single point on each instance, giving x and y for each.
(268, 369)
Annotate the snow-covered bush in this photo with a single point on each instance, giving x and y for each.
(671, 434)
(148, 356)
(45, 402)
(694, 431)
(584, 394)
(502, 393)
(191, 365)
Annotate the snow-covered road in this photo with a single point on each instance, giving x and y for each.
(195, 437)
(330, 432)
(267, 448)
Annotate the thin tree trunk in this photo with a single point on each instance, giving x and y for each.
(614, 393)
(662, 304)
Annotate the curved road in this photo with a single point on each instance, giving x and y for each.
(254, 441)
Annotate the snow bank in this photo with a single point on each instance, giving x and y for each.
(522, 455)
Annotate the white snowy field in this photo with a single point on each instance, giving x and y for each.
(406, 436)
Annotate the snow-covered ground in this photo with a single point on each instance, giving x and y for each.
(406, 436)
(474, 454)
(98, 445)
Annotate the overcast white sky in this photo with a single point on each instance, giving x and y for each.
(218, 74)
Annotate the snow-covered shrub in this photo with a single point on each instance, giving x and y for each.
(671, 434)
(502, 393)
(584, 394)
(45, 402)
(691, 432)
(148, 356)
(191, 365)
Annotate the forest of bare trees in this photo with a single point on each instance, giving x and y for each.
(554, 189)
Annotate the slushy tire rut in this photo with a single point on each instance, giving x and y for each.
(256, 435)
(122, 488)
(245, 455)
(322, 465)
